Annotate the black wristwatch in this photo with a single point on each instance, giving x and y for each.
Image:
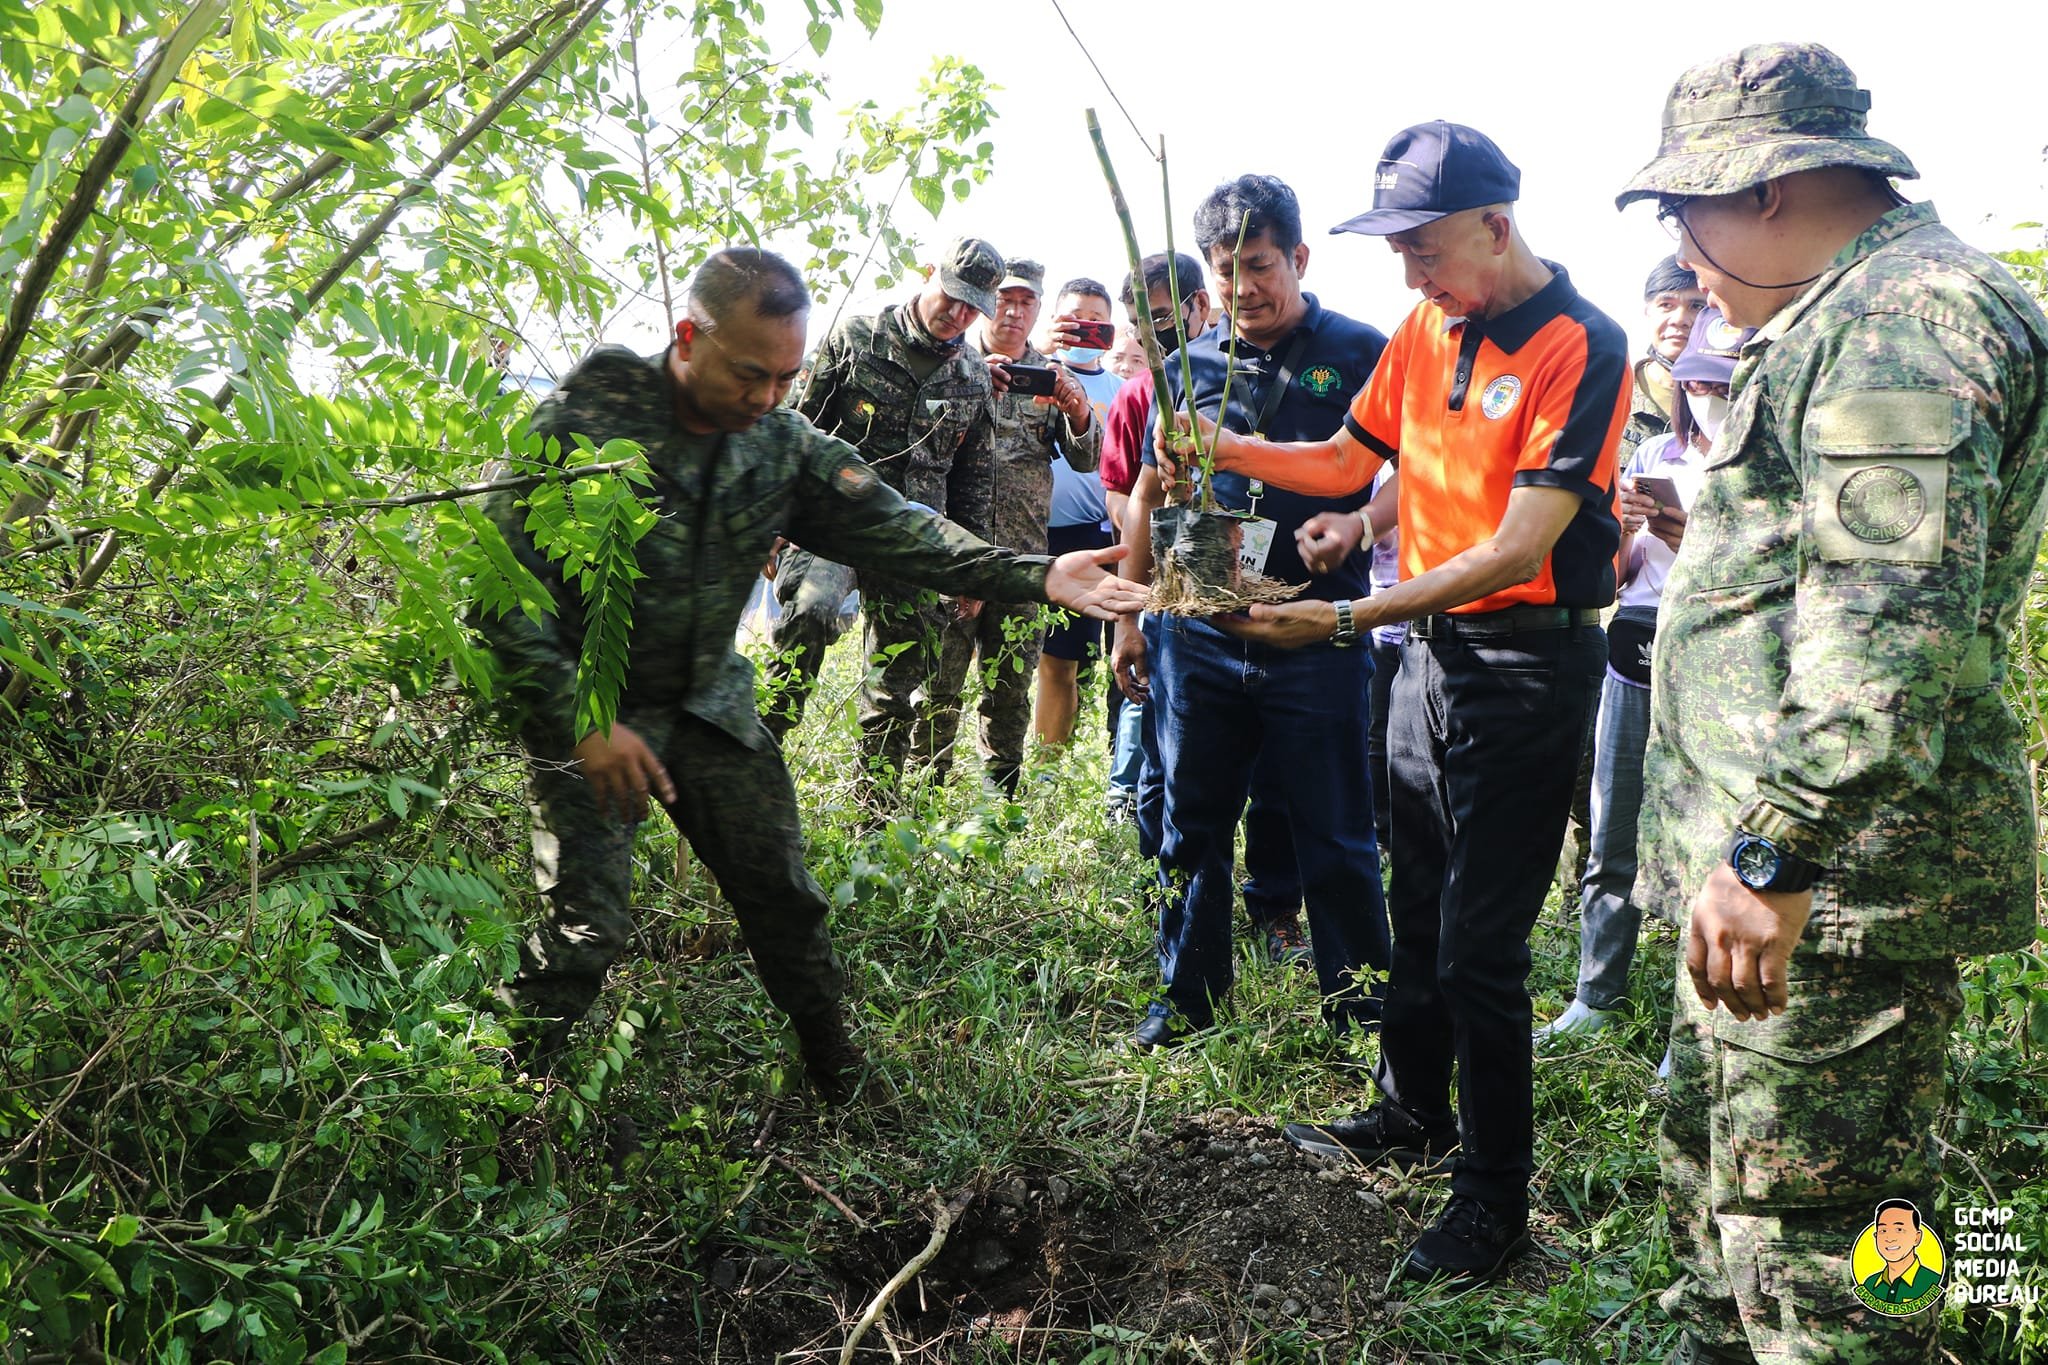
(1763, 866)
(1346, 633)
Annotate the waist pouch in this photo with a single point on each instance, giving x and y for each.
(1628, 647)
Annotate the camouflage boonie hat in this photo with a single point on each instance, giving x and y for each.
(1769, 110)
(970, 273)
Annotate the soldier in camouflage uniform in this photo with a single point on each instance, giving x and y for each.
(1030, 433)
(731, 470)
(1837, 796)
(904, 389)
(812, 594)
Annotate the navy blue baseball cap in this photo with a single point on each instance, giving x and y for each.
(1430, 171)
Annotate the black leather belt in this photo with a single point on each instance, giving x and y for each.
(1506, 621)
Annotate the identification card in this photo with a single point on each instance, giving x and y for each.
(1256, 545)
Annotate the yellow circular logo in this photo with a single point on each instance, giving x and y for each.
(1723, 335)
(1897, 1265)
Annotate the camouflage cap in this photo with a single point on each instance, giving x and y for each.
(1771, 109)
(1023, 274)
(970, 274)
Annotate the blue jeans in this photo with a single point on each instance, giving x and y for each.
(1128, 762)
(1608, 920)
(1484, 751)
(1232, 705)
(1272, 876)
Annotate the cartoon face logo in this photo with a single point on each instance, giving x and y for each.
(1898, 1265)
(1321, 380)
(1500, 396)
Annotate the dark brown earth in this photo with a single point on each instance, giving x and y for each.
(1210, 1236)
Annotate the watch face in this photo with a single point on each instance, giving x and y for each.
(1756, 862)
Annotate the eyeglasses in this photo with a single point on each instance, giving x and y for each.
(1671, 214)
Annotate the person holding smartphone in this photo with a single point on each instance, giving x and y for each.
(1657, 486)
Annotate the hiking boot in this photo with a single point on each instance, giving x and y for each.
(1578, 1023)
(1470, 1240)
(1376, 1137)
(833, 1062)
(1286, 945)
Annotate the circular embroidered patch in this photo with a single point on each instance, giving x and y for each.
(1499, 399)
(1723, 335)
(1881, 504)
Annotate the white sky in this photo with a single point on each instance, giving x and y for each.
(1312, 92)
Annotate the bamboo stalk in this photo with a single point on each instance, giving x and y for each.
(1187, 369)
(1155, 360)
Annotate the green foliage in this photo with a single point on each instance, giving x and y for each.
(257, 857)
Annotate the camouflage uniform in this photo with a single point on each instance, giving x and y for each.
(931, 441)
(1650, 407)
(722, 501)
(1006, 636)
(1827, 675)
(812, 593)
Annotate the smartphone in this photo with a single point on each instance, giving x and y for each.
(1096, 336)
(1032, 381)
(1662, 489)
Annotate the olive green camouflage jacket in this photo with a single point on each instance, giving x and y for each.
(1833, 634)
(930, 440)
(1029, 436)
(721, 503)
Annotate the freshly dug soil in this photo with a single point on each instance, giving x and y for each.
(1208, 1237)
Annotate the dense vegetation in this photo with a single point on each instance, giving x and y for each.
(263, 847)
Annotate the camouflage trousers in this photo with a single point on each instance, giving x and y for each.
(1780, 1138)
(811, 592)
(1006, 638)
(737, 807)
(905, 631)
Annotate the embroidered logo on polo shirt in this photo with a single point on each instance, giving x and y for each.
(1321, 380)
(1500, 396)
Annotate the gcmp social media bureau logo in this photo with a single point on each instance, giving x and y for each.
(1898, 1264)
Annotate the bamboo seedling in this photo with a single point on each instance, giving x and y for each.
(1197, 545)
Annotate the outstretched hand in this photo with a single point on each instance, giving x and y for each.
(1081, 581)
(1739, 942)
(1290, 625)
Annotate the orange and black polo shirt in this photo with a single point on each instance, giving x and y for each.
(1474, 408)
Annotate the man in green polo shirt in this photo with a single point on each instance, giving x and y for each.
(1905, 1285)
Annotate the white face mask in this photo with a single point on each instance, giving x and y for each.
(1708, 410)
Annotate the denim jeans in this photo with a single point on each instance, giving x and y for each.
(1484, 745)
(1230, 706)
(1608, 920)
(1128, 761)
(1272, 874)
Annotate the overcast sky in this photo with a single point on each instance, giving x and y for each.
(1311, 93)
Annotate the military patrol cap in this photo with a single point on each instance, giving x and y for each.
(1771, 109)
(1711, 351)
(970, 272)
(1023, 274)
(1431, 171)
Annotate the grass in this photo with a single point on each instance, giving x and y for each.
(1000, 954)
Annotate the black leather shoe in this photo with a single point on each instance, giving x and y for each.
(1468, 1241)
(1162, 1028)
(1374, 1137)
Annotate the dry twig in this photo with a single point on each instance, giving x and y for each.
(942, 1223)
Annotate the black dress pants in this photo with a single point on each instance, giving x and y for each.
(1483, 747)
